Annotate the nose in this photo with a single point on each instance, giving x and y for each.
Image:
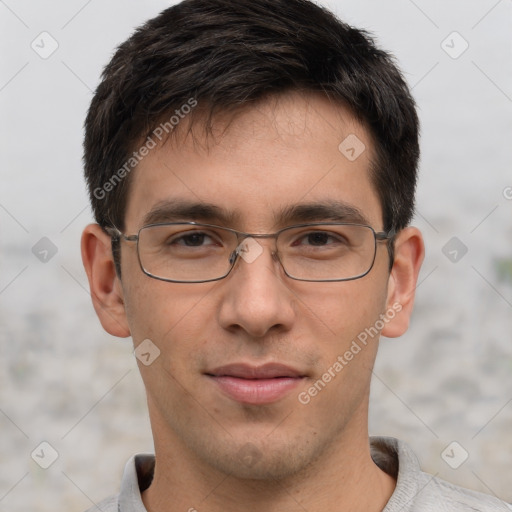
(256, 298)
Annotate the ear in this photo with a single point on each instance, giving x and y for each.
(409, 254)
(105, 286)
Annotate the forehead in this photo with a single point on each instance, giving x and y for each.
(281, 158)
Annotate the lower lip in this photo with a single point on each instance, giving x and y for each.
(256, 391)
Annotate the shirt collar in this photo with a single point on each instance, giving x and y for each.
(391, 455)
(398, 460)
(137, 477)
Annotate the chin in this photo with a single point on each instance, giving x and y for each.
(264, 461)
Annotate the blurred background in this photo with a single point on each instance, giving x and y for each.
(445, 387)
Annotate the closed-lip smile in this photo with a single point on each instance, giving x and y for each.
(256, 385)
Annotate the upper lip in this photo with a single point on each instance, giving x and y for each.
(247, 371)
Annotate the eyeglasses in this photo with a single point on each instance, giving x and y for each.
(189, 252)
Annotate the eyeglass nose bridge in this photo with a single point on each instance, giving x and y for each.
(249, 249)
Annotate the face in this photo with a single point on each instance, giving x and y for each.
(240, 358)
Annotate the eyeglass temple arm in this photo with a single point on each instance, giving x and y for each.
(383, 235)
(117, 235)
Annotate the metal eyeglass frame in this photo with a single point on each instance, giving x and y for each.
(379, 236)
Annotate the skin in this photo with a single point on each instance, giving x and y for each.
(306, 457)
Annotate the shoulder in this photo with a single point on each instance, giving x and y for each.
(107, 505)
(417, 491)
(439, 493)
(137, 477)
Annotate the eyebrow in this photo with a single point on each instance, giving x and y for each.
(181, 210)
(331, 210)
(173, 210)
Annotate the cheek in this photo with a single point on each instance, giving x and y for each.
(342, 310)
(174, 320)
(171, 315)
(343, 319)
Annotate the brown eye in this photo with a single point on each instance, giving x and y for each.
(194, 240)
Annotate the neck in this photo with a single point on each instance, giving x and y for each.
(343, 478)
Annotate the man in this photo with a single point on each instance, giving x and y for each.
(252, 166)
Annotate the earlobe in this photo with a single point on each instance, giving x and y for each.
(409, 254)
(106, 290)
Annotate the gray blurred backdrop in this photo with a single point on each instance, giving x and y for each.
(65, 382)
